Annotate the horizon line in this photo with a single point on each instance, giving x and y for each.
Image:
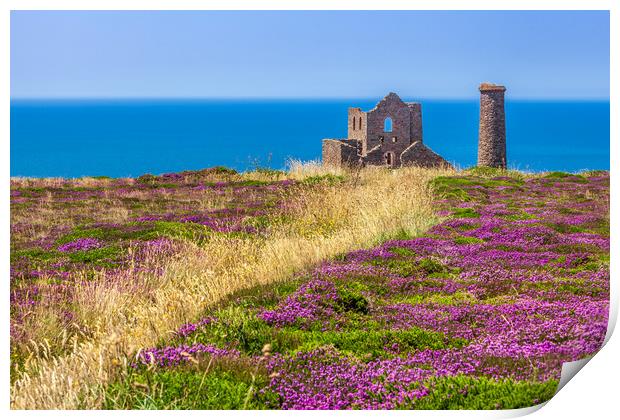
(284, 98)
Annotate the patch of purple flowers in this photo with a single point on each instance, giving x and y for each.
(82, 244)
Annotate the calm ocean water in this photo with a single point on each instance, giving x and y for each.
(130, 138)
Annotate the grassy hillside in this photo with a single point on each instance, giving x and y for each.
(309, 289)
(477, 313)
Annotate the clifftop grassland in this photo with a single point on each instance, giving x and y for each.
(313, 288)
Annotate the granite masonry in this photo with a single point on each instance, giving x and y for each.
(492, 134)
(390, 134)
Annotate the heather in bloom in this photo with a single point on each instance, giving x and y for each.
(480, 312)
(116, 233)
(82, 244)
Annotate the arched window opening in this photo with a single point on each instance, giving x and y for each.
(353, 123)
(388, 158)
(387, 125)
(360, 123)
(394, 139)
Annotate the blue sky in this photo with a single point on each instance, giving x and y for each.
(325, 54)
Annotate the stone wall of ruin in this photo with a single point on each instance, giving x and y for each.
(415, 131)
(398, 139)
(419, 155)
(340, 152)
(357, 125)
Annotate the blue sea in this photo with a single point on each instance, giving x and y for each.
(118, 138)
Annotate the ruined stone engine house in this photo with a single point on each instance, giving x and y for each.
(390, 134)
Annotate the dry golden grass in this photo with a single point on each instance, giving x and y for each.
(372, 204)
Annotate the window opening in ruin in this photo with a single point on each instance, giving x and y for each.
(360, 123)
(394, 139)
(353, 123)
(388, 158)
(387, 125)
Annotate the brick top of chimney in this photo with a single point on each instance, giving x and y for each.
(486, 87)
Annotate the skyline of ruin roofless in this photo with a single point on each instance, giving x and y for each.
(282, 54)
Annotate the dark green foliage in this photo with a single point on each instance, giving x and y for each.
(265, 296)
(179, 230)
(327, 179)
(238, 328)
(565, 228)
(450, 188)
(454, 188)
(479, 393)
(464, 240)
(558, 175)
(272, 173)
(430, 266)
(565, 176)
(519, 215)
(408, 267)
(36, 254)
(146, 179)
(366, 283)
(485, 171)
(573, 248)
(189, 389)
(251, 183)
(403, 252)
(566, 210)
(351, 301)
(465, 213)
(370, 344)
(101, 256)
(140, 231)
(399, 235)
(221, 170)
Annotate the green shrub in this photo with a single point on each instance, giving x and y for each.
(187, 389)
(272, 173)
(408, 268)
(221, 170)
(558, 175)
(328, 179)
(36, 254)
(465, 213)
(251, 183)
(480, 393)
(450, 187)
(146, 179)
(403, 252)
(99, 255)
(350, 301)
(430, 266)
(466, 240)
(370, 344)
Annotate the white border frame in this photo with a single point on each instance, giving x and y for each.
(593, 394)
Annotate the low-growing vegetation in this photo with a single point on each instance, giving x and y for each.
(102, 267)
(369, 290)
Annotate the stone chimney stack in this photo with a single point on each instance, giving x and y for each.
(492, 134)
